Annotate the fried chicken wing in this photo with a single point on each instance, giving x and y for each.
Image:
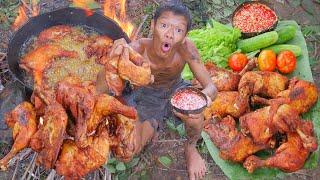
(263, 123)
(23, 122)
(233, 145)
(54, 33)
(48, 139)
(289, 157)
(75, 162)
(39, 59)
(223, 79)
(227, 103)
(268, 84)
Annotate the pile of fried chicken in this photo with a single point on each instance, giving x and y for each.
(73, 127)
(267, 107)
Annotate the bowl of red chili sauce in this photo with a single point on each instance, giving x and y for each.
(254, 18)
(188, 100)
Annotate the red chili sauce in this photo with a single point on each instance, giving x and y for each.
(254, 17)
(188, 100)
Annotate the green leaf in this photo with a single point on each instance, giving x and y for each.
(165, 161)
(93, 5)
(120, 166)
(111, 168)
(123, 176)
(112, 161)
(181, 130)
(170, 125)
(133, 162)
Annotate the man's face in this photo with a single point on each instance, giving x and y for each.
(169, 32)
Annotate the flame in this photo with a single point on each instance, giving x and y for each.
(83, 4)
(109, 10)
(21, 18)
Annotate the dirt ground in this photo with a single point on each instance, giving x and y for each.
(169, 143)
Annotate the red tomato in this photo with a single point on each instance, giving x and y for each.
(267, 60)
(286, 62)
(237, 61)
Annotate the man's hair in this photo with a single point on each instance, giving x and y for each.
(177, 8)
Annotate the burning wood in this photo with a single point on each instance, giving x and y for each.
(22, 15)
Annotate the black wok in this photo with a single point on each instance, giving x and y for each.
(68, 16)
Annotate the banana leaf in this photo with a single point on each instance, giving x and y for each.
(303, 71)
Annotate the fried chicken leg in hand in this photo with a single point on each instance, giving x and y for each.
(23, 122)
(233, 145)
(223, 79)
(263, 123)
(227, 103)
(75, 162)
(267, 84)
(48, 139)
(301, 96)
(289, 157)
(128, 70)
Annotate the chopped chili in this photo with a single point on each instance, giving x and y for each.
(188, 100)
(254, 17)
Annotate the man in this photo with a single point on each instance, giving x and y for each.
(168, 52)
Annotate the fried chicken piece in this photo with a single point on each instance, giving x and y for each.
(268, 84)
(227, 103)
(233, 145)
(39, 59)
(80, 101)
(289, 157)
(48, 139)
(105, 106)
(114, 82)
(99, 47)
(301, 96)
(75, 162)
(23, 122)
(122, 134)
(263, 123)
(54, 33)
(128, 70)
(87, 108)
(223, 79)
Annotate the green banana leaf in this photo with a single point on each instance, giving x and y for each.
(303, 71)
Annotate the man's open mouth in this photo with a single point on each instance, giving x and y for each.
(165, 47)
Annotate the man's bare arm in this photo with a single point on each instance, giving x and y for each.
(192, 57)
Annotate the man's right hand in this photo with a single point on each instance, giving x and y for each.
(117, 47)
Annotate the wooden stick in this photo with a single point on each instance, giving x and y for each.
(154, 1)
(26, 5)
(15, 170)
(3, 56)
(29, 166)
(137, 32)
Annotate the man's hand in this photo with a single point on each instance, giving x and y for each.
(188, 51)
(118, 47)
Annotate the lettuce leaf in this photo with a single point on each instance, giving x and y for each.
(215, 43)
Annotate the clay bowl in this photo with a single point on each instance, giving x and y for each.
(251, 34)
(189, 90)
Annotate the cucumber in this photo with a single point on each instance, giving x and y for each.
(258, 42)
(285, 34)
(281, 47)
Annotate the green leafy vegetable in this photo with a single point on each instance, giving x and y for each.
(215, 43)
(303, 71)
(120, 166)
(165, 161)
